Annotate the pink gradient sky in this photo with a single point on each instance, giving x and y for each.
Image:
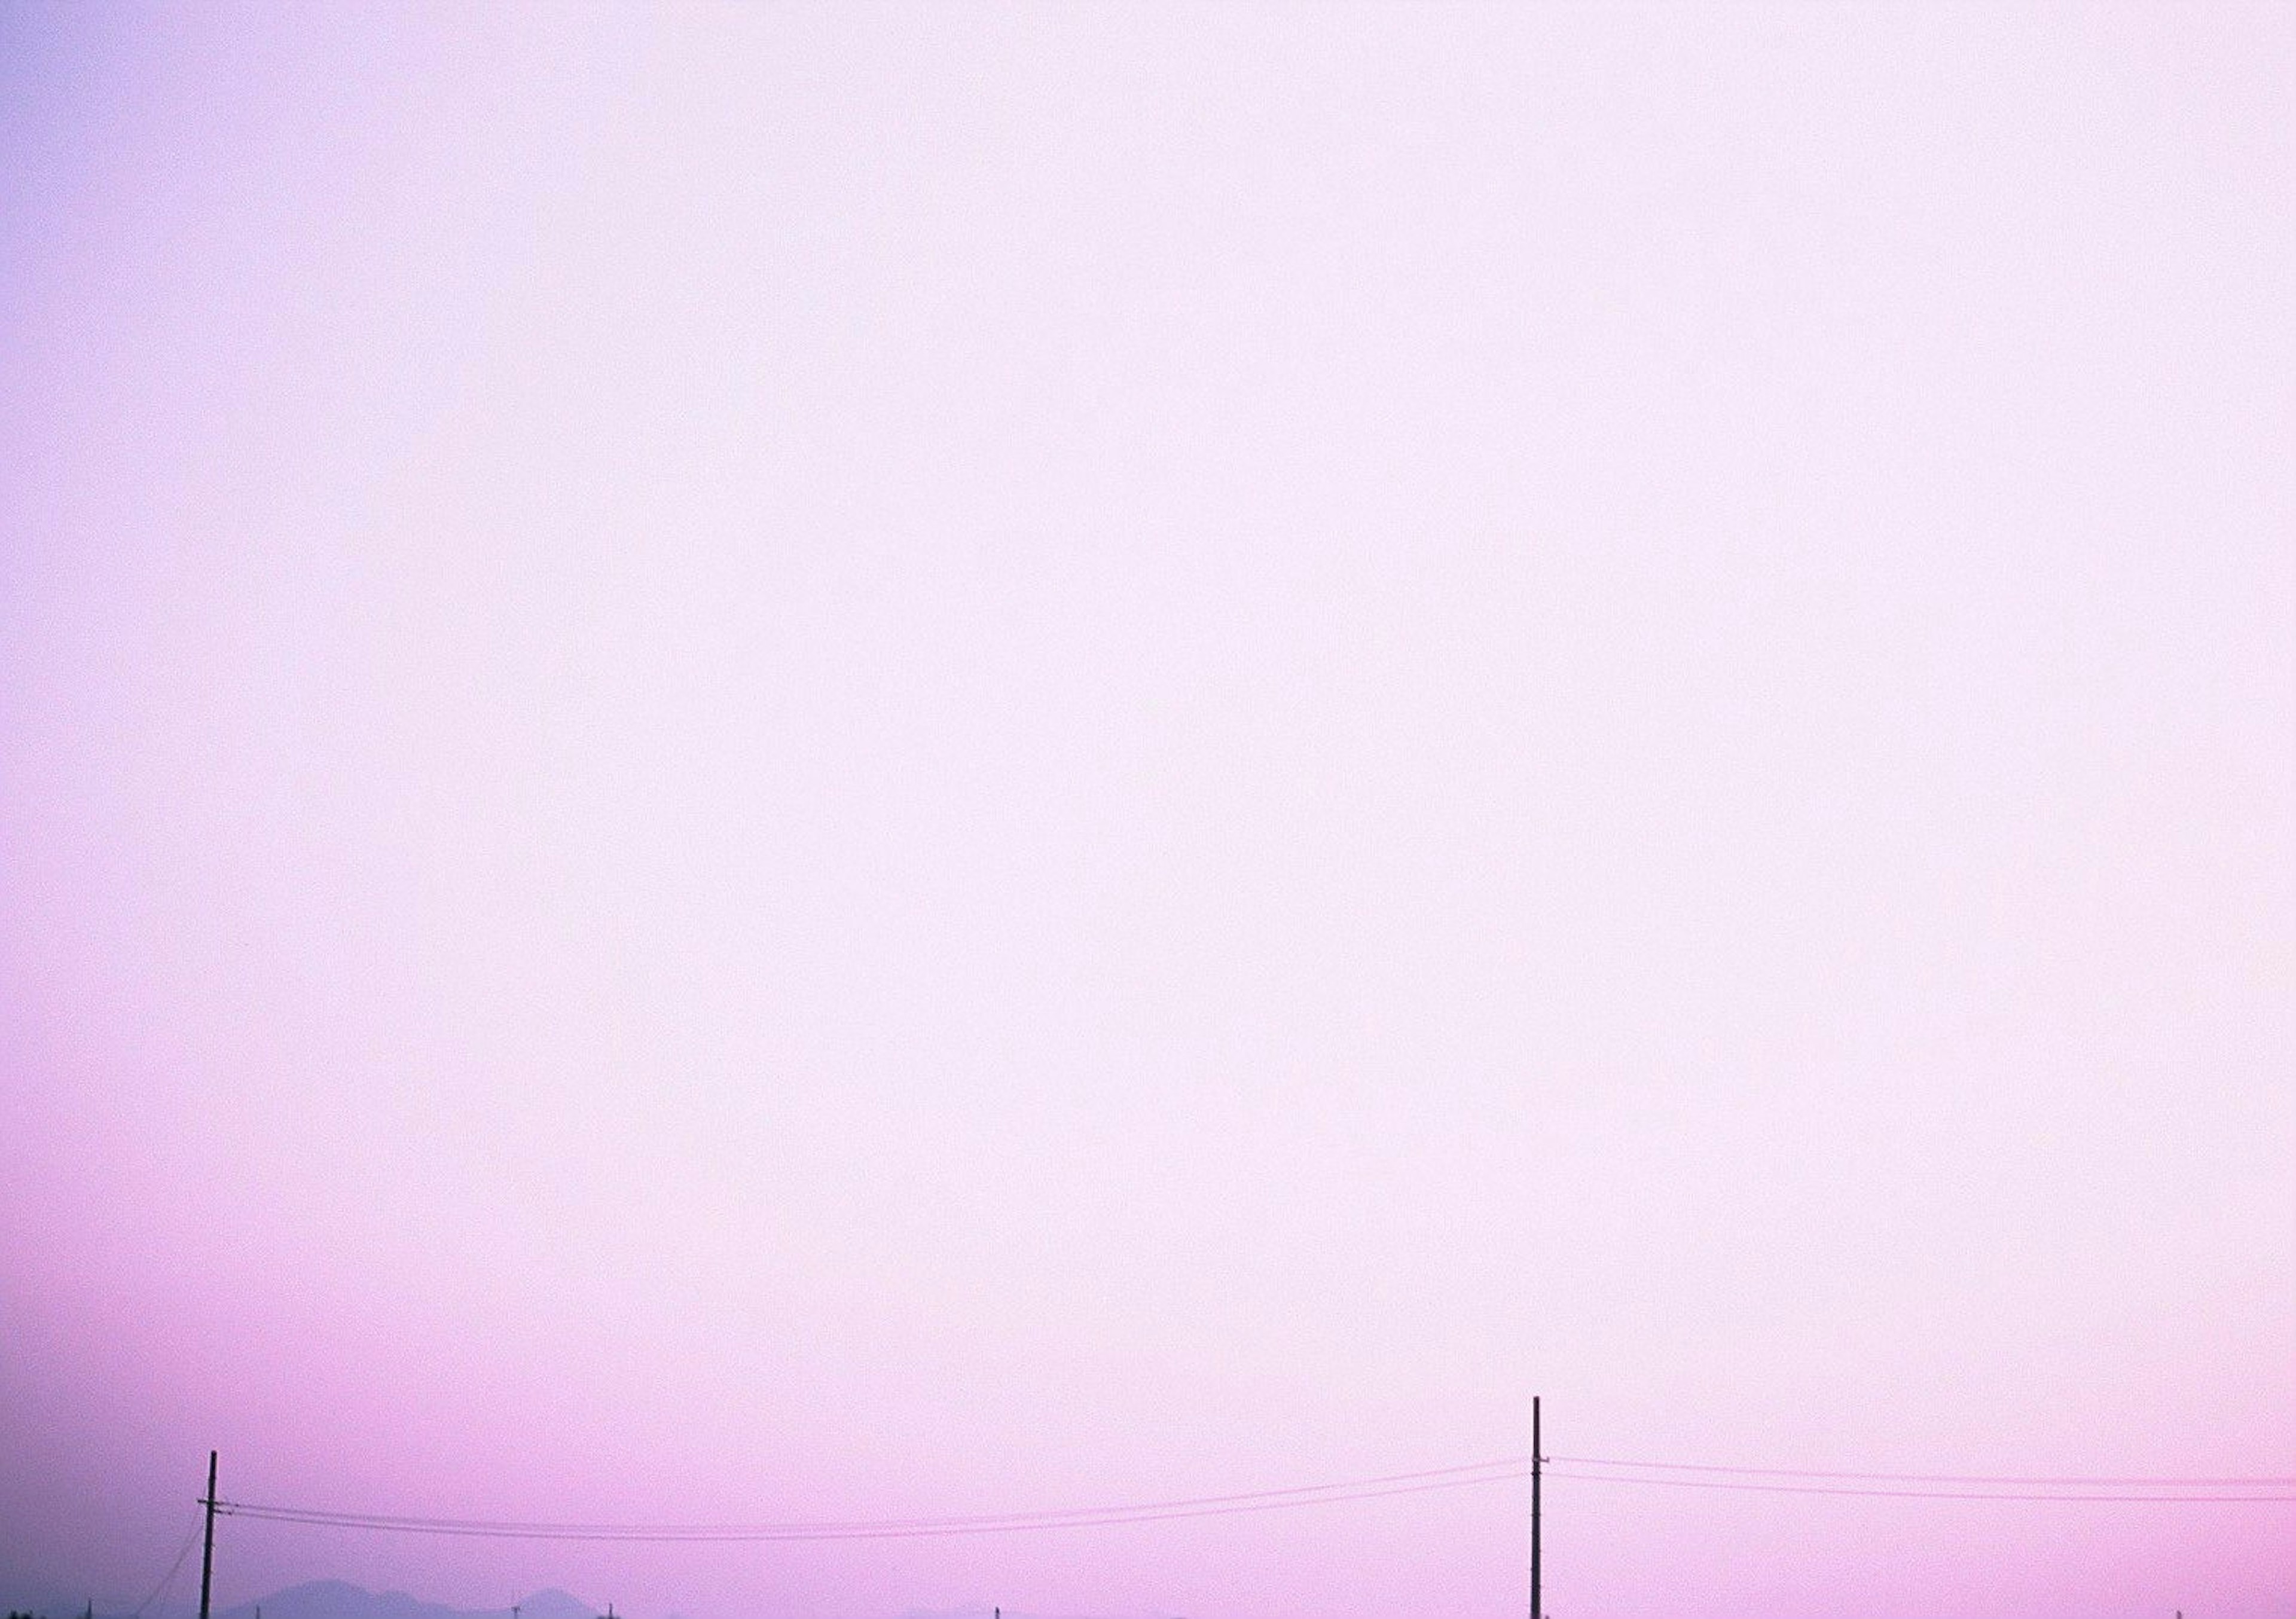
(842, 762)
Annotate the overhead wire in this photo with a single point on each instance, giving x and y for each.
(1459, 1472)
(168, 1579)
(1372, 1488)
(1998, 1487)
(1926, 1478)
(1909, 1495)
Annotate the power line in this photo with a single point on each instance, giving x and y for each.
(167, 1579)
(1907, 1495)
(1464, 1473)
(1922, 1478)
(1999, 1487)
(885, 1529)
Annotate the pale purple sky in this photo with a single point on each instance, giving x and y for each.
(822, 762)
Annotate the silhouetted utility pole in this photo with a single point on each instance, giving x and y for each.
(1536, 1611)
(206, 1556)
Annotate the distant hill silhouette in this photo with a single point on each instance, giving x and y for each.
(341, 1600)
(979, 1612)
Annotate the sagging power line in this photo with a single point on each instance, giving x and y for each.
(174, 1568)
(1926, 1478)
(1916, 1494)
(1372, 1488)
(2108, 1489)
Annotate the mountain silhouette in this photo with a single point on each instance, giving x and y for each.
(341, 1600)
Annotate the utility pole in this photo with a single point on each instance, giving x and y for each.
(206, 1556)
(1536, 1611)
